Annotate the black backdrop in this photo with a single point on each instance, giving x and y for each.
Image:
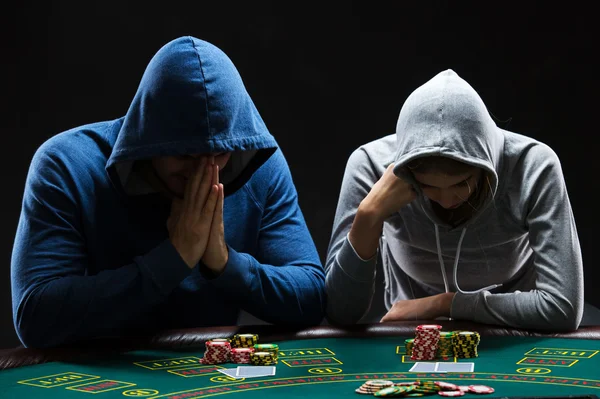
(324, 86)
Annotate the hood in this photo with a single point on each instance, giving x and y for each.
(191, 100)
(446, 117)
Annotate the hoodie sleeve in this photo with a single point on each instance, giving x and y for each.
(557, 301)
(54, 300)
(283, 282)
(350, 280)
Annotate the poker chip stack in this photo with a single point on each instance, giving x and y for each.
(244, 340)
(446, 345)
(241, 355)
(218, 350)
(417, 388)
(425, 344)
(262, 358)
(385, 388)
(242, 346)
(408, 345)
(373, 386)
(272, 348)
(465, 344)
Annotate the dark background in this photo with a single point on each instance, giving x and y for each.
(323, 84)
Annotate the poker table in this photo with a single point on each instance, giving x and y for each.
(315, 362)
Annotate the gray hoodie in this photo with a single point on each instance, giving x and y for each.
(517, 262)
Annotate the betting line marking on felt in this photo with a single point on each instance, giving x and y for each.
(79, 388)
(287, 353)
(68, 377)
(176, 362)
(547, 361)
(562, 352)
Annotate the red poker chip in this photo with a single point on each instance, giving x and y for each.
(425, 340)
(451, 393)
(216, 354)
(429, 327)
(218, 357)
(480, 389)
(425, 345)
(214, 345)
(463, 388)
(447, 386)
(427, 333)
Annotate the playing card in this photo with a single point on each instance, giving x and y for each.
(466, 367)
(229, 372)
(423, 367)
(255, 371)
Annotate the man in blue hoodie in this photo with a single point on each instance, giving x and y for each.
(179, 214)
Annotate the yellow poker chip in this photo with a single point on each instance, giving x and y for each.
(379, 383)
(389, 391)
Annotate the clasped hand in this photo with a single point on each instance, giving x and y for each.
(195, 224)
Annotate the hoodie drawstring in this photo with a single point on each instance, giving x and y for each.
(455, 268)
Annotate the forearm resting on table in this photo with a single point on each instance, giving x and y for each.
(444, 303)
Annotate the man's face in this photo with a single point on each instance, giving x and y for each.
(174, 171)
(450, 191)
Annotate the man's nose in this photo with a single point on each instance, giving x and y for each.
(447, 199)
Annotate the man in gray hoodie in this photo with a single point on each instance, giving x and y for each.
(470, 221)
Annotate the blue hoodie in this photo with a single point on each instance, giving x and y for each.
(92, 255)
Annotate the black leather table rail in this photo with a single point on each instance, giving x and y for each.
(196, 337)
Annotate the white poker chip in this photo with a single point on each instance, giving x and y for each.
(446, 386)
(451, 393)
(480, 389)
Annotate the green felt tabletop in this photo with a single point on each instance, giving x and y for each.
(315, 368)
